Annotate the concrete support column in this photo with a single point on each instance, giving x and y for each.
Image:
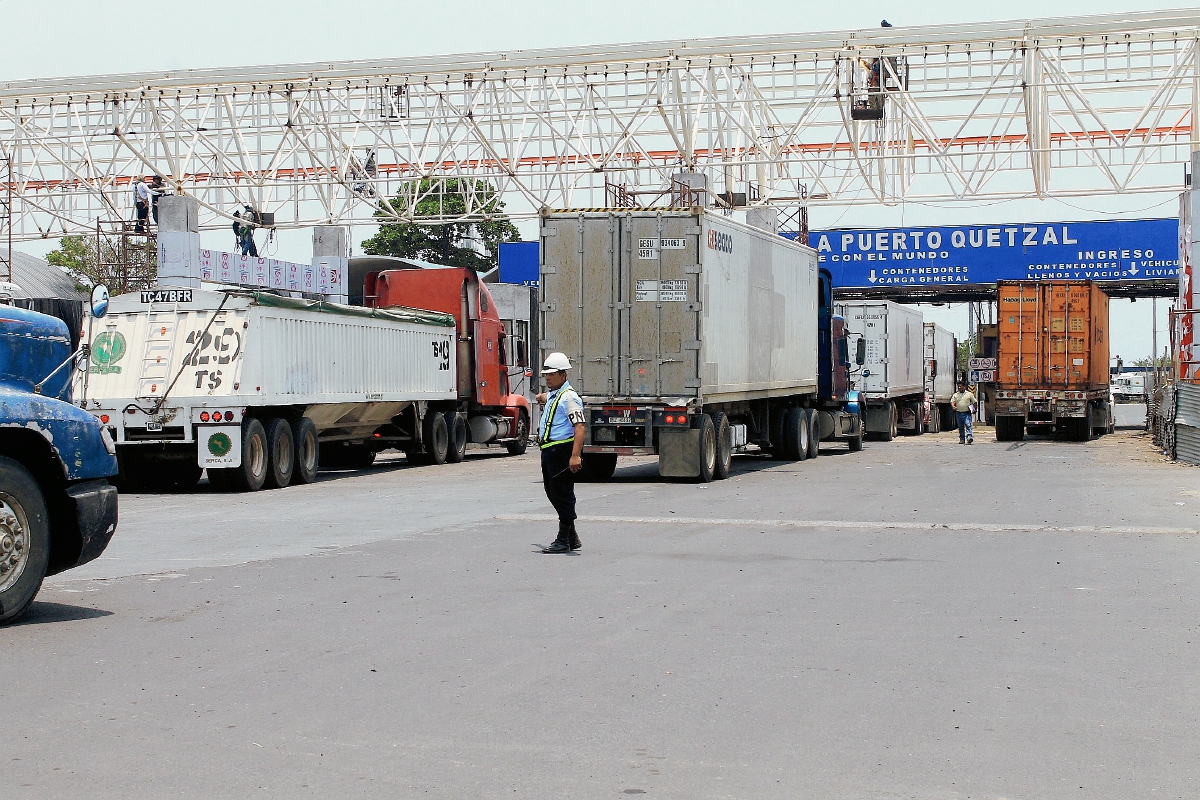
(178, 242)
(331, 260)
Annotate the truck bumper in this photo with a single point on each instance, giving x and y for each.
(96, 516)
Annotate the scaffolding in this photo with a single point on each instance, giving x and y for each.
(6, 219)
(126, 258)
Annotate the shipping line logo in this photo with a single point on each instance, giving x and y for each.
(107, 350)
(720, 241)
(219, 444)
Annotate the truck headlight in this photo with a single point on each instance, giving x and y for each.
(109, 444)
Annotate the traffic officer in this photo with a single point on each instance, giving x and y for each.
(560, 437)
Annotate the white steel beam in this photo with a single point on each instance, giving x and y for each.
(1043, 108)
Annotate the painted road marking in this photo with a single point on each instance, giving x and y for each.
(824, 524)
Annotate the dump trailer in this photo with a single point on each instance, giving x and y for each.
(694, 337)
(1052, 360)
(488, 411)
(261, 389)
(892, 378)
(941, 354)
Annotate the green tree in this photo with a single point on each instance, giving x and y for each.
(90, 261)
(964, 354)
(475, 244)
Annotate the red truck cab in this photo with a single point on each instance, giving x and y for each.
(488, 409)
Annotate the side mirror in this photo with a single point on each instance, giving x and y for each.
(99, 300)
(933, 368)
(522, 356)
(860, 352)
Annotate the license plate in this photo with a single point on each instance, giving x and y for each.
(153, 425)
(167, 296)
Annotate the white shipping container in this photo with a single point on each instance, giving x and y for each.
(895, 337)
(350, 367)
(941, 350)
(658, 306)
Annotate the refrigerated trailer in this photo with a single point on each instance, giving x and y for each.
(261, 389)
(941, 355)
(1052, 361)
(892, 377)
(692, 337)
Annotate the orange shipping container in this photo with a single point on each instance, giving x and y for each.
(1053, 335)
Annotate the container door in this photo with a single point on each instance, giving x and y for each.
(579, 274)
(660, 286)
(1019, 360)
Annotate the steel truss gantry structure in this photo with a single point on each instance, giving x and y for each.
(1065, 107)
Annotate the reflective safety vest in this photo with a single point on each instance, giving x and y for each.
(544, 439)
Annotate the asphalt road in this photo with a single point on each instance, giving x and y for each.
(922, 619)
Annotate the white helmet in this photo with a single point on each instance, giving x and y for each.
(556, 362)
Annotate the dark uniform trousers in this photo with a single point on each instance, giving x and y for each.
(559, 480)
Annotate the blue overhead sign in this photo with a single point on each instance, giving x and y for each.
(1144, 249)
(519, 263)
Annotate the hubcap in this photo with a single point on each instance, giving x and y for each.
(14, 541)
(258, 456)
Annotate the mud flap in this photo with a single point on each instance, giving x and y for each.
(679, 453)
(879, 419)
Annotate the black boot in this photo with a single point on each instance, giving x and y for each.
(562, 544)
(573, 537)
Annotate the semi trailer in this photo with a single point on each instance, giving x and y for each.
(694, 337)
(488, 411)
(892, 377)
(941, 355)
(261, 389)
(1052, 360)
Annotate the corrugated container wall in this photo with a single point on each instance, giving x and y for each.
(941, 347)
(1053, 335)
(670, 305)
(895, 335)
(265, 354)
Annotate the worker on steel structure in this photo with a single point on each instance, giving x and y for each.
(141, 203)
(560, 437)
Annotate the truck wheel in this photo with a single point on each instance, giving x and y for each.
(281, 451)
(708, 449)
(437, 438)
(597, 467)
(308, 451)
(251, 475)
(814, 433)
(778, 420)
(918, 419)
(724, 446)
(890, 433)
(517, 446)
(456, 430)
(24, 539)
(855, 442)
(795, 435)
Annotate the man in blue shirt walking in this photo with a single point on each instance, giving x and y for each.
(560, 438)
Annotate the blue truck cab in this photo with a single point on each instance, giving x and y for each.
(57, 508)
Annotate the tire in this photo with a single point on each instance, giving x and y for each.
(1010, 429)
(778, 421)
(814, 433)
(795, 435)
(597, 467)
(281, 448)
(24, 539)
(724, 446)
(521, 442)
(935, 419)
(890, 433)
(708, 450)
(308, 451)
(252, 474)
(456, 430)
(437, 438)
(919, 419)
(855, 443)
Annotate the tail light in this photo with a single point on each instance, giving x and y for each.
(229, 416)
(104, 418)
(204, 416)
